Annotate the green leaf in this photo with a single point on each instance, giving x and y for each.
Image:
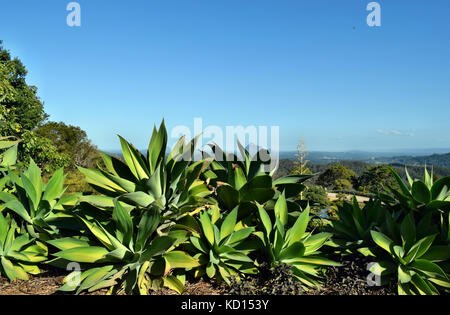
(228, 196)
(420, 248)
(297, 232)
(289, 254)
(157, 147)
(149, 222)
(91, 254)
(265, 219)
(404, 276)
(17, 207)
(124, 223)
(9, 269)
(68, 243)
(138, 198)
(134, 160)
(239, 236)
(207, 227)
(382, 240)
(98, 179)
(420, 192)
(408, 231)
(157, 247)
(31, 192)
(9, 157)
(429, 267)
(281, 210)
(228, 224)
(174, 284)
(439, 186)
(400, 182)
(55, 186)
(179, 259)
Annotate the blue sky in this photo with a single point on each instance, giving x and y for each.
(314, 68)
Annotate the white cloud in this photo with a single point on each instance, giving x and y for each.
(394, 132)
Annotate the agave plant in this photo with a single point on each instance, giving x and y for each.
(417, 265)
(219, 245)
(129, 255)
(19, 253)
(351, 229)
(421, 196)
(244, 182)
(172, 183)
(7, 159)
(37, 205)
(294, 246)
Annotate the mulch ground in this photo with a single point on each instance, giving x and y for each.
(351, 279)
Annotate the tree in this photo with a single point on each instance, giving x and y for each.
(337, 177)
(20, 107)
(71, 141)
(375, 179)
(316, 196)
(22, 115)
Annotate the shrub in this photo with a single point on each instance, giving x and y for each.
(19, 253)
(221, 246)
(171, 183)
(128, 254)
(293, 246)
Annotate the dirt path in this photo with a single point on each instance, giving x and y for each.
(334, 196)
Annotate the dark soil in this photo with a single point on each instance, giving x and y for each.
(351, 279)
(347, 280)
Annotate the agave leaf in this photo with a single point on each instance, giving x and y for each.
(281, 210)
(207, 228)
(90, 254)
(382, 240)
(174, 284)
(408, 232)
(147, 226)
(157, 147)
(179, 259)
(297, 232)
(68, 243)
(420, 192)
(55, 186)
(228, 224)
(134, 160)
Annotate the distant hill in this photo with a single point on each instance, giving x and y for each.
(286, 166)
(442, 160)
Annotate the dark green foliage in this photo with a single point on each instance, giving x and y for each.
(376, 179)
(351, 229)
(337, 177)
(22, 110)
(70, 141)
(407, 235)
(316, 196)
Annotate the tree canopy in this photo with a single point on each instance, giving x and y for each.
(337, 177)
(51, 145)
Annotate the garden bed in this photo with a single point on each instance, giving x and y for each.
(347, 280)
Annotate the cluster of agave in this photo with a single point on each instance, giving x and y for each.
(156, 220)
(406, 233)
